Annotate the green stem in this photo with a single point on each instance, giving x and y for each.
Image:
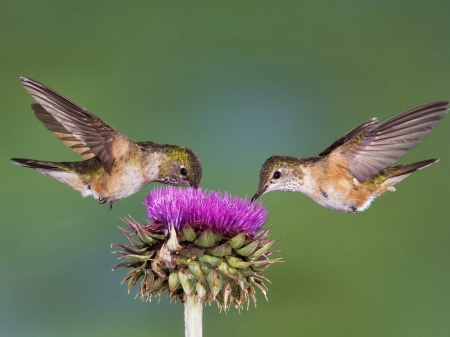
(193, 310)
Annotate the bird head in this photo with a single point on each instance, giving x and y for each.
(181, 167)
(279, 173)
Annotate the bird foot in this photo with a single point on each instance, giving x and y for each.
(104, 200)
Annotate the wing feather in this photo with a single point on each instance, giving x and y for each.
(352, 134)
(76, 127)
(383, 144)
(61, 132)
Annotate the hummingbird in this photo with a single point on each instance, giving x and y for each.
(113, 167)
(356, 168)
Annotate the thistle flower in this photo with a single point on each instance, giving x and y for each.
(198, 244)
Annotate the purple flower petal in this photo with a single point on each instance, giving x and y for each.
(224, 213)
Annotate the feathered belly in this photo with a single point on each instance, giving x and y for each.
(120, 184)
(344, 196)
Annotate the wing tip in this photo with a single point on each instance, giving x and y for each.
(443, 105)
(443, 102)
(29, 84)
(436, 107)
(24, 79)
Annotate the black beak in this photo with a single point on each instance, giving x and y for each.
(194, 182)
(257, 194)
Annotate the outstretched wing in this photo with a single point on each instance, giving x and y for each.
(381, 145)
(79, 129)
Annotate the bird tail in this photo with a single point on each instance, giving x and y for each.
(37, 164)
(400, 170)
(394, 174)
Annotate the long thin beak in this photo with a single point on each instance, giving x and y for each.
(257, 194)
(195, 183)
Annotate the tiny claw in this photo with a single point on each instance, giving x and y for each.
(102, 200)
(110, 205)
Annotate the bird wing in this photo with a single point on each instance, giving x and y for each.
(76, 127)
(353, 134)
(61, 132)
(379, 145)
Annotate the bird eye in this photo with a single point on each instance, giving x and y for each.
(276, 175)
(183, 171)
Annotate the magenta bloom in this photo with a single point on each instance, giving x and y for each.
(224, 214)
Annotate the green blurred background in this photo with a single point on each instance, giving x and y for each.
(237, 82)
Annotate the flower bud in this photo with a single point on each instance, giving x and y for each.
(198, 244)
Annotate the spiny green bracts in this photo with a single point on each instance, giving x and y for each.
(198, 259)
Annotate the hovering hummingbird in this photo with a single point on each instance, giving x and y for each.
(355, 169)
(114, 167)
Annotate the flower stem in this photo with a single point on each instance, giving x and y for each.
(193, 310)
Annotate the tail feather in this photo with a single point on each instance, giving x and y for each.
(400, 170)
(36, 164)
(395, 174)
(62, 172)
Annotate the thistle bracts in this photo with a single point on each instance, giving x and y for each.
(211, 260)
